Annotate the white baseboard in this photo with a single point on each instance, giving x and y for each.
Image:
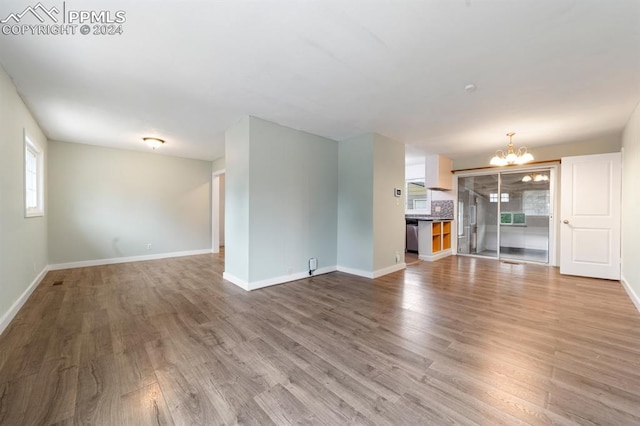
(235, 280)
(436, 256)
(373, 274)
(276, 280)
(13, 310)
(389, 270)
(631, 292)
(114, 260)
(358, 272)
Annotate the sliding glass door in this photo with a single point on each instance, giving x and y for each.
(478, 215)
(524, 216)
(505, 215)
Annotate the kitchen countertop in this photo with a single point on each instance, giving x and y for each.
(427, 218)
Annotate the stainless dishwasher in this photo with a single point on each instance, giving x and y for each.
(412, 235)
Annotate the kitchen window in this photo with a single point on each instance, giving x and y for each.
(418, 200)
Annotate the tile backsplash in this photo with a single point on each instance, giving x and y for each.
(446, 211)
(446, 208)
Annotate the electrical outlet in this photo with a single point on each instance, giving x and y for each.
(313, 264)
(397, 257)
(149, 246)
(438, 208)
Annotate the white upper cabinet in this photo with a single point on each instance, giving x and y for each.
(438, 173)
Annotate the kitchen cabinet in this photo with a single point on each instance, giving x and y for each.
(434, 240)
(438, 173)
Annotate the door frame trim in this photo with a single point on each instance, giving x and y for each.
(215, 207)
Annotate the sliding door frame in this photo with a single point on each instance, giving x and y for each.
(554, 174)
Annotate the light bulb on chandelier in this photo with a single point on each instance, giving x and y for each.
(511, 155)
(536, 177)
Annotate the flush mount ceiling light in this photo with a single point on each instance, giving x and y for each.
(511, 156)
(153, 143)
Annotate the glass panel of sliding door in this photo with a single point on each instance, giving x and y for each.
(478, 215)
(524, 216)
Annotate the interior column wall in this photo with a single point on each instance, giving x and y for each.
(293, 202)
(388, 210)
(282, 185)
(371, 224)
(631, 206)
(237, 169)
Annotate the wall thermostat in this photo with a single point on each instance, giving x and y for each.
(397, 192)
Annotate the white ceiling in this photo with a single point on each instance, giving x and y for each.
(553, 71)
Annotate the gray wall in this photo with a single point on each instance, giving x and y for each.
(236, 227)
(355, 205)
(218, 165)
(371, 226)
(282, 184)
(108, 203)
(23, 241)
(602, 145)
(631, 202)
(294, 200)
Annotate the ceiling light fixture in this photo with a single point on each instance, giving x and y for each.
(153, 143)
(511, 156)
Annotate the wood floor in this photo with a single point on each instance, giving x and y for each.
(458, 341)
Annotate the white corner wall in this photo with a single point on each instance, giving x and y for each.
(108, 204)
(631, 207)
(282, 184)
(23, 241)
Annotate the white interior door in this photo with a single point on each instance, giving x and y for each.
(590, 214)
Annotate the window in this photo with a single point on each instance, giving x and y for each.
(33, 179)
(504, 197)
(519, 219)
(417, 196)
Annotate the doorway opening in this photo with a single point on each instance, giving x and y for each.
(507, 215)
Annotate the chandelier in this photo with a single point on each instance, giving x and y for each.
(511, 156)
(535, 177)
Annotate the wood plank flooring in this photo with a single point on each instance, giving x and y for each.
(458, 341)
